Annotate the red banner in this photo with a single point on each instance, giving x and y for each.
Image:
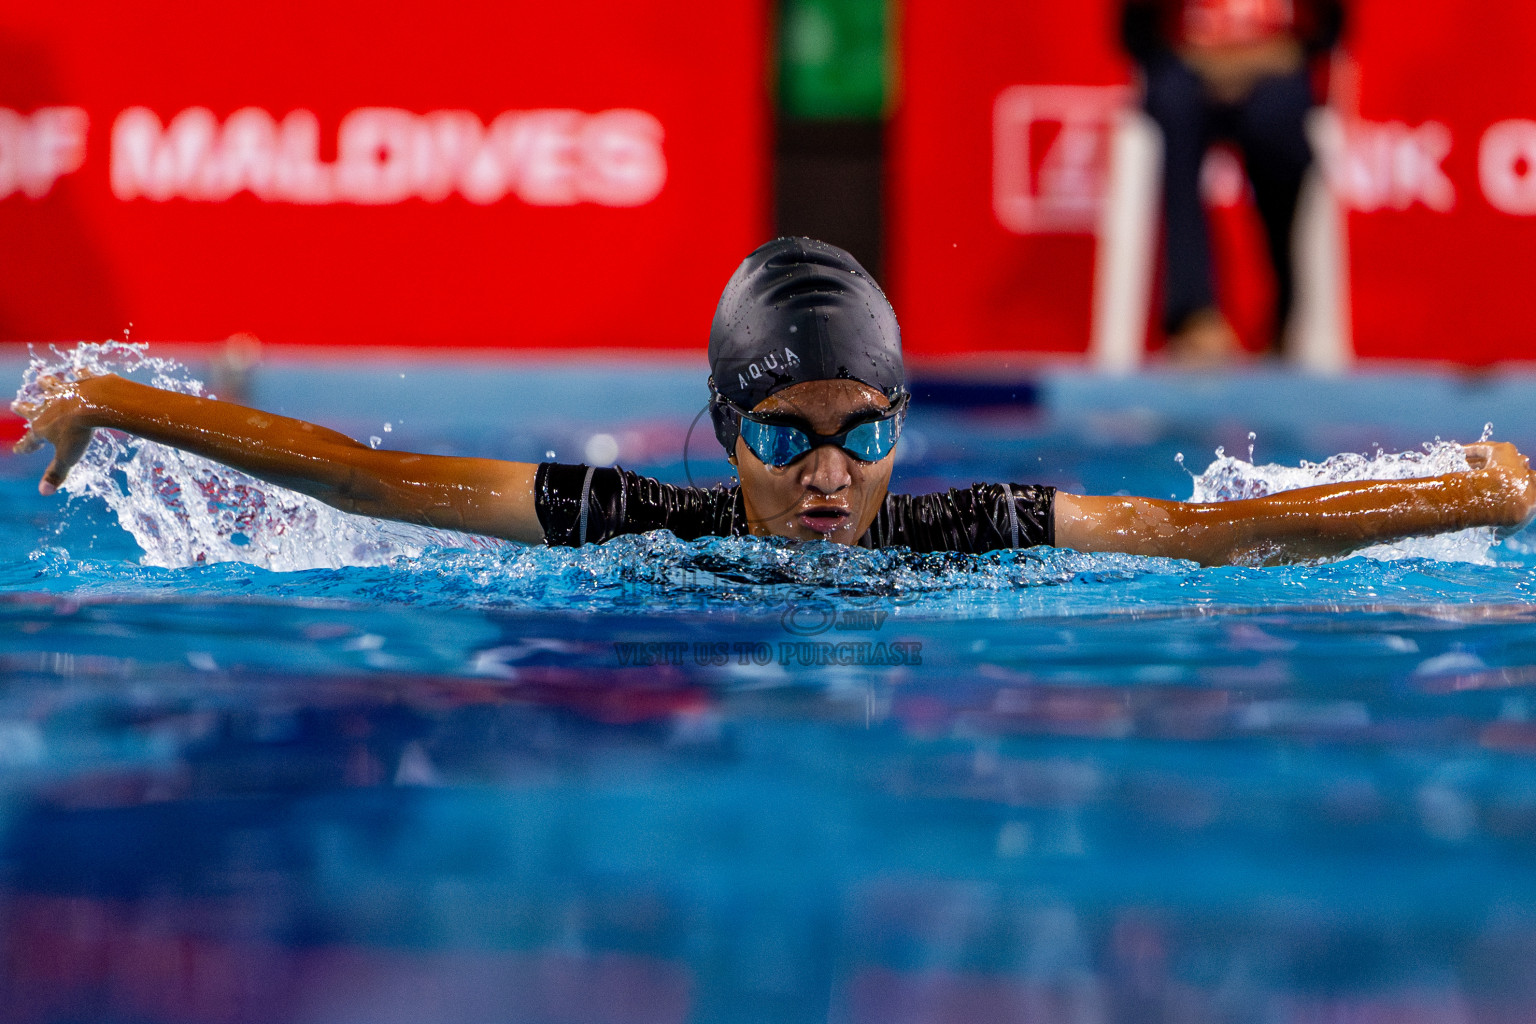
(998, 163)
(1438, 168)
(336, 173)
(1001, 151)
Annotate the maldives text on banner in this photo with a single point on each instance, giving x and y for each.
(483, 174)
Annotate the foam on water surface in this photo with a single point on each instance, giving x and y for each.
(184, 510)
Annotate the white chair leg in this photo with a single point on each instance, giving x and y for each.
(1319, 338)
(1125, 257)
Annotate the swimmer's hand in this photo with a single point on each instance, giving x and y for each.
(63, 418)
(1325, 521)
(1510, 486)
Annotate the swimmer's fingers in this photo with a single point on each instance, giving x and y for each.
(58, 421)
(52, 480)
(1504, 461)
(57, 469)
(67, 451)
(51, 388)
(1482, 454)
(28, 444)
(1499, 457)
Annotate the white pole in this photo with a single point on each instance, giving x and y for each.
(1125, 257)
(1320, 336)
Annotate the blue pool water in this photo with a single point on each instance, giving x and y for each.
(375, 774)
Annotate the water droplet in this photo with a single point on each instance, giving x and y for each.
(388, 427)
(374, 440)
(549, 455)
(601, 450)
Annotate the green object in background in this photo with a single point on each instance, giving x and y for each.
(834, 59)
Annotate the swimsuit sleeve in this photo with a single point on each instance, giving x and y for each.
(983, 517)
(580, 505)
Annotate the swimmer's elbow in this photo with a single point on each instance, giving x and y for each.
(492, 499)
(358, 490)
(1143, 526)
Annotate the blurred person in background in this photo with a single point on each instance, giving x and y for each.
(1236, 70)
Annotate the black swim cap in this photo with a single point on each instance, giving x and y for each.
(798, 310)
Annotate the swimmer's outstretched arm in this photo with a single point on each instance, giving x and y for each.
(1312, 522)
(483, 496)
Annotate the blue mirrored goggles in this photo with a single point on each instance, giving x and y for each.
(778, 443)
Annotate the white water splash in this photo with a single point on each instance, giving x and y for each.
(184, 510)
(1230, 478)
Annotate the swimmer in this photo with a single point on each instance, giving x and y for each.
(808, 396)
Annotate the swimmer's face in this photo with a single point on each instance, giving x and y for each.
(825, 494)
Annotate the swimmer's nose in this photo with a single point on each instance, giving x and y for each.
(827, 469)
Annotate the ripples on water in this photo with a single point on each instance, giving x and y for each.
(278, 763)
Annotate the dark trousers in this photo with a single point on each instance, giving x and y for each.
(1269, 128)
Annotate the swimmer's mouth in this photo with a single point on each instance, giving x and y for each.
(824, 518)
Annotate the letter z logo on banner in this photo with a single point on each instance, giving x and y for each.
(1050, 156)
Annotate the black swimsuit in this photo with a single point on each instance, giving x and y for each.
(585, 505)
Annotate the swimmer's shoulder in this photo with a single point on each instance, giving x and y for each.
(580, 504)
(981, 517)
